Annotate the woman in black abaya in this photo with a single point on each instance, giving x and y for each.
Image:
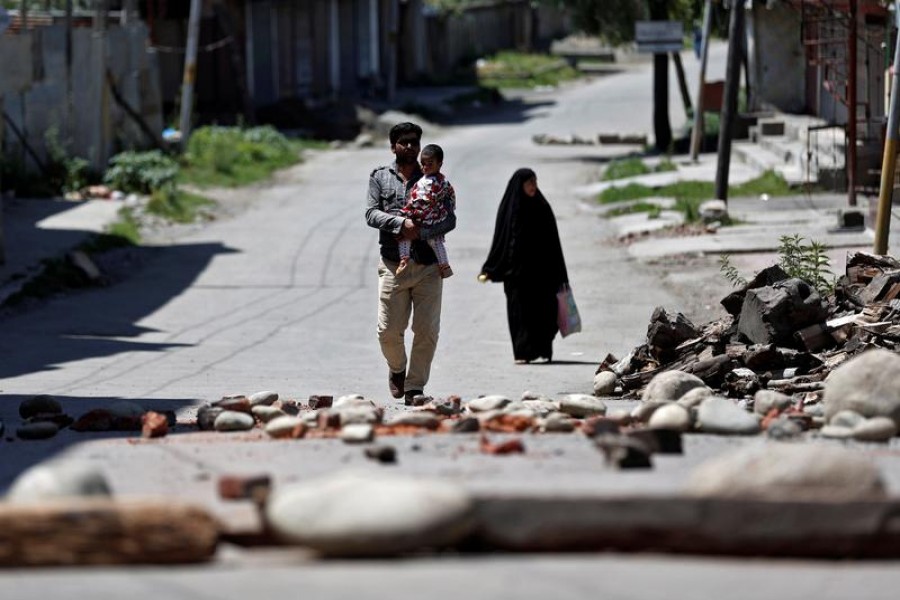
(527, 257)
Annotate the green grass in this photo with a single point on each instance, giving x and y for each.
(689, 194)
(651, 209)
(632, 167)
(233, 157)
(523, 70)
(177, 205)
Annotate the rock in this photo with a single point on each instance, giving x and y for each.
(382, 453)
(622, 452)
(263, 398)
(846, 418)
(876, 429)
(445, 406)
(466, 425)
(266, 413)
(582, 405)
(605, 383)
(713, 210)
(40, 404)
(837, 432)
(766, 400)
(671, 416)
(419, 418)
(237, 402)
(125, 409)
(694, 397)
(370, 515)
(206, 416)
(867, 384)
(721, 415)
(357, 433)
(541, 408)
(58, 479)
(771, 314)
(670, 386)
(796, 472)
(643, 411)
(319, 401)
(658, 441)
(286, 427)
(557, 423)
(351, 400)
(232, 420)
(486, 403)
(361, 413)
(40, 430)
(783, 429)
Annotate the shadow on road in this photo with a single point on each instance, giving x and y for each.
(19, 455)
(90, 323)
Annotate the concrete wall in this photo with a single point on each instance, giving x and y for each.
(34, 81)
(777, 62)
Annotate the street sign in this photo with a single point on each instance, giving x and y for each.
(5, 20)
(656, 37)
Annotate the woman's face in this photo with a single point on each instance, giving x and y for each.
(530, 187)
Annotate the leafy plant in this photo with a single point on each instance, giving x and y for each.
(807, 261)
(233, 156)
(68, 173)
(730, 272)
(141, 172)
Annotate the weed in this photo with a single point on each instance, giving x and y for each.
(622, 168)
(141, 172)
(730, 272)
(522, 70)
(176, 205)
(807, 261)
(232, 156)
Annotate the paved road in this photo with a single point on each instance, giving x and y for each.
(283, 297)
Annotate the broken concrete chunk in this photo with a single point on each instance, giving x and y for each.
(771, 314)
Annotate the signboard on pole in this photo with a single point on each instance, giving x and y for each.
(5, 20)
(659, 37)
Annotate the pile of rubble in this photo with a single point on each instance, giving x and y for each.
(781, 334)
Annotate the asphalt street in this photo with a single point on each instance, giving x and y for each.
(283, 297)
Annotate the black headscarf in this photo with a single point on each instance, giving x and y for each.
(526, 239)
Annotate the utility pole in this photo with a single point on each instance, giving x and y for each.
(190, 72)
(697, 131)
(729, 102)
(889, 160)
(662, 128)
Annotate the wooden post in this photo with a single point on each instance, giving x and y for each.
(729, 102)
(889, 160)
(190, 72)
(99, 79)
(697, 131)
(682, 85)
(237, 62)
(851, 109)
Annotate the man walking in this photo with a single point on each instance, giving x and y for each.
(418, 289)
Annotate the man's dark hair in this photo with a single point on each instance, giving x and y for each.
(401, 129)
(434, 151)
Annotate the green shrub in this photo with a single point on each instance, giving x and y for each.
(235, 156)
(141, 172)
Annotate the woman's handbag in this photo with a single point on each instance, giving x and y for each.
(567, 317)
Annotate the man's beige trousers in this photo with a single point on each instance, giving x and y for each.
(416, 291)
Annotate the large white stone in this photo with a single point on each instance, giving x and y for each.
(669, 386)
(604, 383)
(582, 405)
(58, 480)
(487, 403)
(671, 416)
(779, 470)
(374, 514)
(866, 384)
(721, 415)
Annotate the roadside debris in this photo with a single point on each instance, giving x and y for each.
(767, 362)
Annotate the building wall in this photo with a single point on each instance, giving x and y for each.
(93, 126)
(777, 62)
